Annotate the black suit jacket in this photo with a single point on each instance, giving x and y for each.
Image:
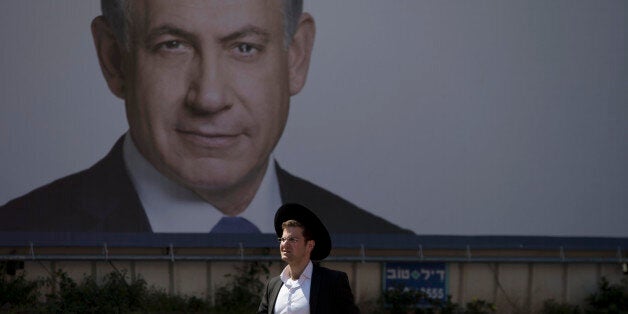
(103, 199)
(330, 293)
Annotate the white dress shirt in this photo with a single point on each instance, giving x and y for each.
(294, 295)
(171, 207)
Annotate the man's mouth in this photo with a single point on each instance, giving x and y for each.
(209, 139)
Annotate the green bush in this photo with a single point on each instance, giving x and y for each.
(609, 298)
(115, 294)
(400, 300)
(479, 307)
(243, 292)
(16, 292)
(552, 307)
(158, 301)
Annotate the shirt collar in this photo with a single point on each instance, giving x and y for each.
(171, 207)
(307, 274)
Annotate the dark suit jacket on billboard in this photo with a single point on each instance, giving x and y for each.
(330, 293)
(103, 199)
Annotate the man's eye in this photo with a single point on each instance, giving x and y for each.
(246, 49)
(171, 45)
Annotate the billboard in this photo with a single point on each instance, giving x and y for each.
(456, 118)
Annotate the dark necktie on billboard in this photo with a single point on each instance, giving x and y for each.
(234, 225)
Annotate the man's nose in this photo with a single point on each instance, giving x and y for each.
(209, 89)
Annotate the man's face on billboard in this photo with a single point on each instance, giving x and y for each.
(207, 86)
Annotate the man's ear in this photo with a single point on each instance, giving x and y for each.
(311, 244)
(110, 55)
(300, 51)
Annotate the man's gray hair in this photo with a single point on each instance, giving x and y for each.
(116, 12)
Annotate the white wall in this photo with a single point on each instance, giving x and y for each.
(445, 117)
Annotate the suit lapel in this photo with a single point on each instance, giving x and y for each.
(124, 212)
(277, 284)
(314, 289)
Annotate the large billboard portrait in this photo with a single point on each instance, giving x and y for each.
(405, 117)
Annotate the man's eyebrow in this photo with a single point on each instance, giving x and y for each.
(168, 29)
(245, 31)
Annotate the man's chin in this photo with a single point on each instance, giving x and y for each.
(216, 179)
(214, 174)
(209, 180)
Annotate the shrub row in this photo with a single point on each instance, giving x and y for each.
(117, 293)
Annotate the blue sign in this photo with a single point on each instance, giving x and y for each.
(429, 278)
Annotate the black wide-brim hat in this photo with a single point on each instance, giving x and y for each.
(307, 218)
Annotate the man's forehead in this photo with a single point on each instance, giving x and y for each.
(212, 12)
(293, 230)
(203, 19)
